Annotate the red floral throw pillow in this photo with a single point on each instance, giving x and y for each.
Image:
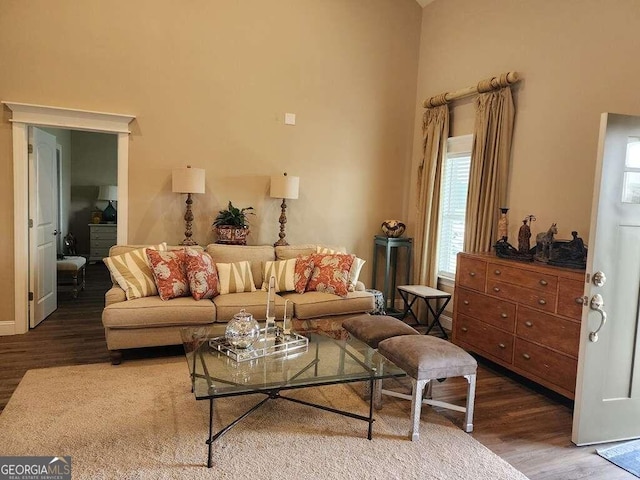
(202, 274)
(169, 272)
(330, 273)
(302, 272)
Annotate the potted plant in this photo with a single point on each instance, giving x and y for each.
(231, 225)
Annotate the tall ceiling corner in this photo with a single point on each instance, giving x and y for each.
(424, 3)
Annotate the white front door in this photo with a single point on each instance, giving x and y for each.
(43, 211)
(607, 403)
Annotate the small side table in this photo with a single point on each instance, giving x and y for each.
(410, 293)
(379, 309)
(390, 269)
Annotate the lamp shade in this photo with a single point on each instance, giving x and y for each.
(284, 186)
(187, 180)
(108, 192)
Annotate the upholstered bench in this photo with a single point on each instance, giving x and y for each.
(372, 329)
(426, 358)
(74, 266)
(422, 357)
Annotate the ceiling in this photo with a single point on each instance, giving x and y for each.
(423, 3)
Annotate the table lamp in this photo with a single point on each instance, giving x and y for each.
(188, 180)
(110, 194)
(284, 187)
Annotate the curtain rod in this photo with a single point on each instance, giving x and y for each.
(483, 86)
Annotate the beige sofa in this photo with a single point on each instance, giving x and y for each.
(150, 321)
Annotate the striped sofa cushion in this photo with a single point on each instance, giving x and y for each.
(235, 277)
(132, 272)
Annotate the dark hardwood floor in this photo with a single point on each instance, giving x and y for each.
(528, 426)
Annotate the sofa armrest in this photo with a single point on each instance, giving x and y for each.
(114, 295)
(360, 286)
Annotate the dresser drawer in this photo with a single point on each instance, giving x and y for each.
(99, 253)
(101, 235)
(570, 293)
(524, 278)
(549, 330)
(472, 273)
(485, 338)
(526, 296)
(498, 313)
(102, 243)
(550, 366)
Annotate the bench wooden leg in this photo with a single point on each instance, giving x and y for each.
(416, 407)
(471, 396)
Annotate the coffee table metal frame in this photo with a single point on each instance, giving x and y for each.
(200, 357)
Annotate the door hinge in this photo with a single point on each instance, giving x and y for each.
(30, 148)
(31, 223)
(31, 296)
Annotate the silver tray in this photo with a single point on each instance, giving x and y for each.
(272, 345)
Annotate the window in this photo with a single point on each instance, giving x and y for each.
(453, 203)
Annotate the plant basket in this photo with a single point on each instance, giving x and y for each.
(231, 235)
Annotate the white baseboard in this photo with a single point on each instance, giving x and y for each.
(7, 327)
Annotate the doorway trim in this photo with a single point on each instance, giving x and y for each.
(23, 116)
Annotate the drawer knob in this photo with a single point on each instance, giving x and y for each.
(496, 289)
(580, 301)
(472, 274)
(504, 315)
(528, 324)
(502, 345)
(466, 302)
(526, 356)
(464, 329)
(542, 301)
(497, 272)
(543, 283)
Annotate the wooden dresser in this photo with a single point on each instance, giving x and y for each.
(102, 236)
(523, 316)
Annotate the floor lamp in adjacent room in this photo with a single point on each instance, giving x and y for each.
(188, 180)
(284, 187)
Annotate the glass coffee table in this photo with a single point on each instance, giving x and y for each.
(324, 361)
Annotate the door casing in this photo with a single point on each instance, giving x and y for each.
(23, 116)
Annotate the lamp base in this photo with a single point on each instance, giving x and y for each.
(109, 214)
(283, 219)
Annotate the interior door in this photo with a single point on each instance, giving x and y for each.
(43, 211)
(607, 403)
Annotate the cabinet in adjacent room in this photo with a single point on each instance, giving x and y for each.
(523, 316)
(102, 236)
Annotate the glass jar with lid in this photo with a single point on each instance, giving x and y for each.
(242, 330)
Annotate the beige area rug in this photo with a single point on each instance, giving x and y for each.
(139, 420)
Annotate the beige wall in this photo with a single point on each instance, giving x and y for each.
(209, 83)
(577, 58)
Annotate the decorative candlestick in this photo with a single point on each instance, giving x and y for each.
(270, 325)
(286, 321)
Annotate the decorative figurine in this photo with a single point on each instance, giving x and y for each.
(503, 224)
(571, 253)
(543, 243)
(524, 235)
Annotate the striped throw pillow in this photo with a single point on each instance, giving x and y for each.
(133, 273)
(354, 273)
(235, 277)
(284, 273)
